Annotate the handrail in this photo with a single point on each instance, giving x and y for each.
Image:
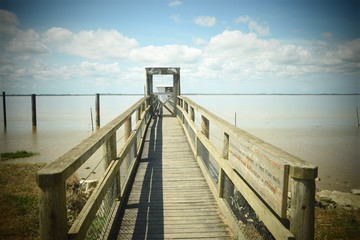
(51, 179)
(247, 155)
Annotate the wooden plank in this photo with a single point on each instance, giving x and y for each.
(170, 197)
(68, 163)
(267, 216)
(265, 172)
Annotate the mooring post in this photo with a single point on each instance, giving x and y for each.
(97, 109)
(4, 109)
(33, 110)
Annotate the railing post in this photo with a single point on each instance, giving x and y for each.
(225, 155)
(33, 110)
(192, 114)
(302, 210)
(127, 129)
(97, 109)
(110, 149)
(205, 126)
(138, 114)
(111, 154)
(52, 208)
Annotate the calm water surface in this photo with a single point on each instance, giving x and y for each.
(321, 129)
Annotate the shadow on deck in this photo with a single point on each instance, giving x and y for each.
(169, 197)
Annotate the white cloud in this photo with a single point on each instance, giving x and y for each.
(57, 34)
(100, 44)
(166, 55)
(176, 18)
(205, 21)
(27, 42)
(175, 3)
(242, 19)
(261, 29)
(199, 41)
(327, 35)
(8, 23)
(350, 51)
(111, 57)
(244, 56)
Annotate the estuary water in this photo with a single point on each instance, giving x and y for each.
(321, 129)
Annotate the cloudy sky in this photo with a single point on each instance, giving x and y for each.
(221, 46)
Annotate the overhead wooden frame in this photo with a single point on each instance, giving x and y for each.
(175, 71)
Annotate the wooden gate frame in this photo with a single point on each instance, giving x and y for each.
(150, 71)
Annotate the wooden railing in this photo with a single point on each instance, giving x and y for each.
(259, 172)
(52, 178)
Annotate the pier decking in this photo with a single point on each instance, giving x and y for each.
(170, 197)
(176, 175)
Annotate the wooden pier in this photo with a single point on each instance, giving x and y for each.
(170, 197)
(173, 179)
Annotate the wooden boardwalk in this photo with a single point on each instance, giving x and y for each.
(170, 198)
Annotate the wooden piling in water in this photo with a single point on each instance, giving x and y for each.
(4, 109)
(33, 110)
(97, 109)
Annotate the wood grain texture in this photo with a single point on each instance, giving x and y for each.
(170, 197)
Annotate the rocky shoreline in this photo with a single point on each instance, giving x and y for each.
(335, 199)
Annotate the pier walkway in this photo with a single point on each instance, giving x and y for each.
(181, 174)
(170, 197)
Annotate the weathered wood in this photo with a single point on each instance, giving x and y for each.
(205, 126)
(110, 150)
(225, 151)
(192, 114)
(176, 84)
(97, 110)
(52, 211)
(4, 109)
(127, 128)
(67, 164)
(252, 150)
(265, 172)
(302, 210)
(266, 215)
(300, 168)
(51, 179)
(83, 221)
(33, 110)
(169, 196)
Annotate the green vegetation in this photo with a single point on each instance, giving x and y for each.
(19, 212)
(17, 154)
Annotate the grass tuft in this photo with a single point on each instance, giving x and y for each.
(17, 154)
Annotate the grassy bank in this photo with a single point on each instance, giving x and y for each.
(19, 201)
(19, 208)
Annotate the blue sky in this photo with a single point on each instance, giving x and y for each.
(221, 46)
